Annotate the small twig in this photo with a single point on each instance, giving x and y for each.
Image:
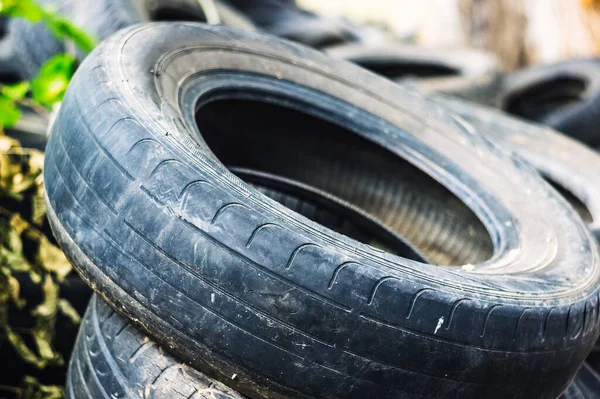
(211, 13)
(37, 107)
(29, 103)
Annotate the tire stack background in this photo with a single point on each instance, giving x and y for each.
(136, 352)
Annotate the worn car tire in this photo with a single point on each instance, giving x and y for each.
(466, 73)
(234, 283)
(564, 95)
(127, 361)
(112, 357)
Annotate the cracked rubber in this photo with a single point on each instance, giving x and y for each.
(112, 358)
(233, 282)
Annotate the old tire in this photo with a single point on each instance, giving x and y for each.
(563, 95)
(466, 73)
(585, 385)
(234, 283)
(112, 357)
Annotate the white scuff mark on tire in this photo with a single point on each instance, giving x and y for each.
(212, 297)
(468, 267)
(439, 324)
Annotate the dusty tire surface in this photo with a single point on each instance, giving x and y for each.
(235, 283)
(563, 95)
(112, 357)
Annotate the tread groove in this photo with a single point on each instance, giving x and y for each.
(487, 318)
(414, 300)
(296, 251)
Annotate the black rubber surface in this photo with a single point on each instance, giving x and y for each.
(235, 283)
(563, 95)
(114, 359)
(329, 211)
(23, 48)
(585, 385)
(571, 167)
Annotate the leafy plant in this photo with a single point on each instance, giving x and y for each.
(61, 27)
(26, 251)
(49, 86)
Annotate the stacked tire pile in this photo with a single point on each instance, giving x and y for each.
(261, 219)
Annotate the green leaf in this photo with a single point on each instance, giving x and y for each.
(16, 91)
(9, 113)
(61, 27)
(27, 9)
(64, 29)
(49, 87)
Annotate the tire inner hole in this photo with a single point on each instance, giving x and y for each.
(284, 142)
(542, 99)
(183, 13)
(403, 70)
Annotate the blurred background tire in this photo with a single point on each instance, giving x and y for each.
(467, 73)
(563, 95)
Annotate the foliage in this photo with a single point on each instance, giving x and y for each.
(49, 86)
(58, 25)
(26, 249)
